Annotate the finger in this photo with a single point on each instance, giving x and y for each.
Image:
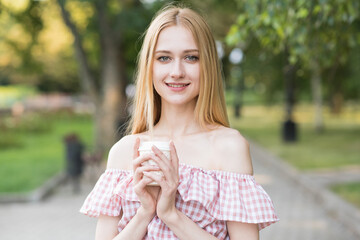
(155, 177)
(165, 167)
(147, 168)
(136, 148)
(139, 187)
(161, 156)
(145, 181)
(138, 174)
(158, 152)
(141, 159)
(174, 157)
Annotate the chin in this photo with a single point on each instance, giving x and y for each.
(179, 101)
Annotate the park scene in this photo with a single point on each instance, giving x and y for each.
(292, 89)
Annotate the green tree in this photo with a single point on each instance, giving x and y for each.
(112, 29)
(35, 48)
(19, 31)
(313, 35)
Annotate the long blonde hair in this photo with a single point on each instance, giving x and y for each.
(210, 107)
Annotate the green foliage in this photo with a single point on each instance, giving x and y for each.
(30, 51)
(12, 128)
(128, 21)
(41, 155)
(323, 30)
(337, 147)
(9, 140)
(316, 36)
(11, 94)
(29, 123)
(31, 22)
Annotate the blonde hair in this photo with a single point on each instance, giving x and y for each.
(210, 107)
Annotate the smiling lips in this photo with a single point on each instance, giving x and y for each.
(177, 86)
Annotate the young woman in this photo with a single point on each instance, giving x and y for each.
(207, 190)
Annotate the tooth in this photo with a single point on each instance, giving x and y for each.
(177, 86)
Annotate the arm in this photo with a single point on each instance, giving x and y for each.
(242, 231)
(179, 221)
(237, 151)
(107, 227)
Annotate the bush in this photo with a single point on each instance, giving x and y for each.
(29, 123)
(9, 140)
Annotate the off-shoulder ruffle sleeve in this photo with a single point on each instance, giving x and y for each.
(102, 199)
(227, 196)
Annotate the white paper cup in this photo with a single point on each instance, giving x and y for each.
(145, 148)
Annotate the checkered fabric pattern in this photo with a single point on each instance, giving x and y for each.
(208, 197)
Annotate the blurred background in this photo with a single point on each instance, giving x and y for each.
(292, 76)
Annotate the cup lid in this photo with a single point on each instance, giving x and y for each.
(162, 145)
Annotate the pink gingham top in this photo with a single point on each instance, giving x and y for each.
(208, 197)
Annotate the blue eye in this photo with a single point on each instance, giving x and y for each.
(163, 58)
(192, 58)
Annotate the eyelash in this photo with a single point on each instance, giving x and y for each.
(162, 58)
(191, 58)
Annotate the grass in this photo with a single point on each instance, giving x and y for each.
(349, 191)
(336, 147)
(40, 154)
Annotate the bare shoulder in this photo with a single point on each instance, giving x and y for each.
(234, 150)
(121, 153)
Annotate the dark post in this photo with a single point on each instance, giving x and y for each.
(238, 91)
(74, 160)
(289, 130)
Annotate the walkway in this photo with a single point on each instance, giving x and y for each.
(302, 217)
(57, 218)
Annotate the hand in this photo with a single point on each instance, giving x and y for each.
(147, 195)
(168, 183)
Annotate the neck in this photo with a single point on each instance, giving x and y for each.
(177, 121)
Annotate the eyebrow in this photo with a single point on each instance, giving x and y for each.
(186, 51)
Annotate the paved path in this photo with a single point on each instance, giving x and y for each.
(301, 215)
(328, 177)
(57, 218)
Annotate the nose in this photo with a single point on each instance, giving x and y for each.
(177, 70)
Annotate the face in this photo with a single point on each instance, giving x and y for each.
(176, 67)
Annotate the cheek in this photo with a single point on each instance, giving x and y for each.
(158, 76)
(159, 72)
(195, 73)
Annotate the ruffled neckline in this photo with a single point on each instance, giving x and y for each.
(188, 167)
(224, 195)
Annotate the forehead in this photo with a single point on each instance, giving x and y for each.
(175, 38)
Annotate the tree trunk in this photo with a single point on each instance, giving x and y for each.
(317, 96)
(289, 78)
(86, 76)
(335, 86)
(337, 100)
(112, 110)
(109, 98)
